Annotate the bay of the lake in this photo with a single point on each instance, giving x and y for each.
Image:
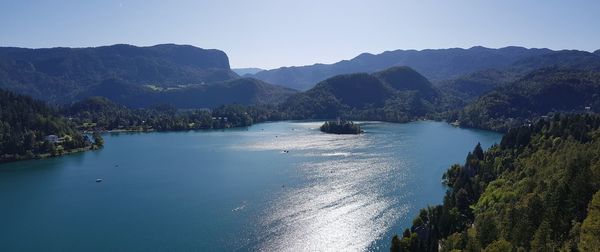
(281, 186)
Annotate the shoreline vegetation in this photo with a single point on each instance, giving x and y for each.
(531, 192)
(396, 94)
(31, 129)
(60, 153)
(536, 190)
(76, 123)
(341, 127)
(86, 119)
(508, 196)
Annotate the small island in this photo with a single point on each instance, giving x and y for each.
(341, 127)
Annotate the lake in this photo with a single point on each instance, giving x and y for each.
(233, 189)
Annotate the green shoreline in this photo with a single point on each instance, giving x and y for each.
(116, 131)
(50, 155)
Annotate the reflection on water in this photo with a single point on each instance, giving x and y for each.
(281, 186)
(341, 206)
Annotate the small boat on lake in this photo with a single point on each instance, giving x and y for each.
(98, 180)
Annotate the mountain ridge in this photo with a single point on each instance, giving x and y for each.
(59, 74)
(536, 94)
(435, 64)
(398, 94)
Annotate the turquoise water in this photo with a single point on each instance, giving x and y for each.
(233, 189)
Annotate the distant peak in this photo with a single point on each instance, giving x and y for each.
(171, 45)
(247, 70)
(512, 48)
(363, 55)
(478, 48)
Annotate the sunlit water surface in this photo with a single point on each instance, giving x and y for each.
(233, 190)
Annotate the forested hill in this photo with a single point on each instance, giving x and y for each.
(31, 129)
(473, 85)
(397, 94)
(436, 65)
(538, 190)
(244, 91)
(537, 94)
(101, 114)
(25, 125)
(59, 75)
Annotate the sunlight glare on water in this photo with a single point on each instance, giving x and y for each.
(281, 186)
(342, 206)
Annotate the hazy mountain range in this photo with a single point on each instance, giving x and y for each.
(395, 94)
(247, 71)
(435, 64)
(181, 74)
(430, 81)
(561, 81)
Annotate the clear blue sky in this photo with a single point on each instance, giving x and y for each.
(274, 33)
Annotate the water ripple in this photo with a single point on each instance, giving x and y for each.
(341, 207)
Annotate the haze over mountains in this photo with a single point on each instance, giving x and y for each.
(395, 94)
(398, 85)
(158, 73)
(435, 64)
(527, 93)
(498, 99)
(245, 71)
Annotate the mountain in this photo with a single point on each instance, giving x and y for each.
(60, 74)
(471, 86)
(245, 71)
(244, 91)
(396, 94)
(572, 59)
(404, 78)
(537, 94)
(25, 127)
(435, 65)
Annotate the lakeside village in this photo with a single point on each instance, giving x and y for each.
(91, 137)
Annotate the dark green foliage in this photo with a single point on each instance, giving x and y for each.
(244, 91)
(531, 192)
(406, 243)
(537, 94)
(98, 141)
(406, 79)
(396, 244)
(25, 125)
(499, 246)
(341, 127)
(60, 74)
(99, 114)
(473, 85)
(566, 59)
(590, 229)
(356, 90)
(397, 94)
